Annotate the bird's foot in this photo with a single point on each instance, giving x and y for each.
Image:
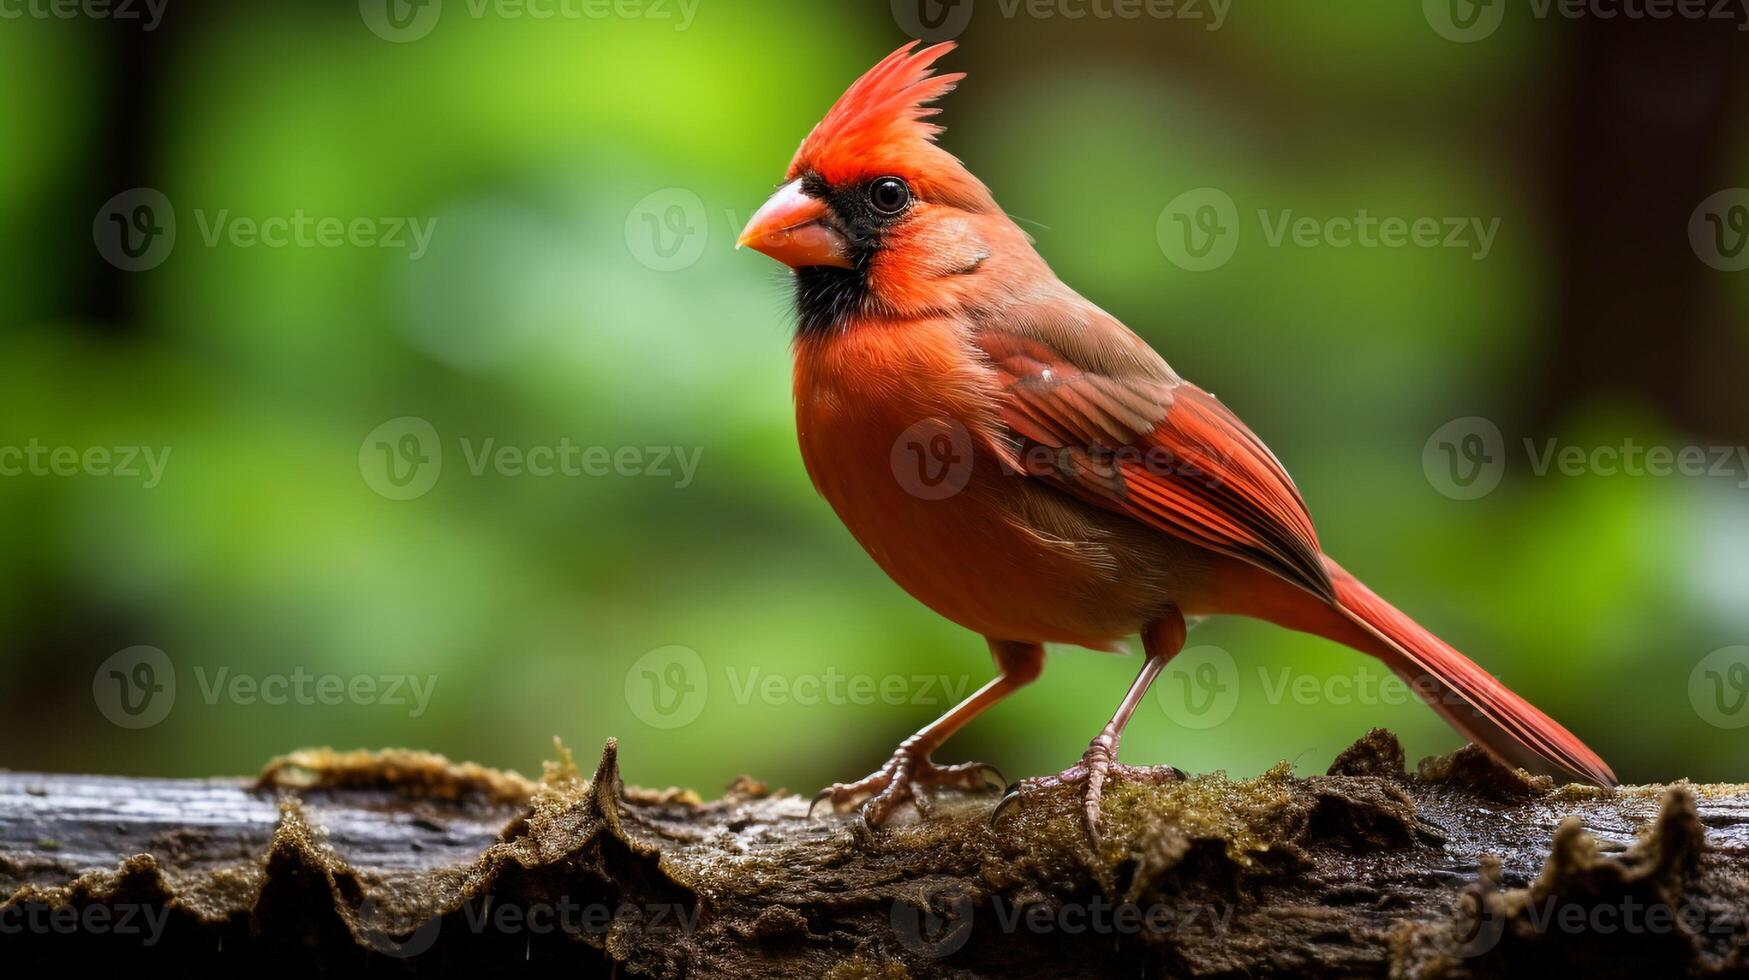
(1097, 765)
(908, 776)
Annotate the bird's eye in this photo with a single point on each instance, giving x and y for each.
(889, 195)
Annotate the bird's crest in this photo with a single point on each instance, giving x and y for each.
(880, 126)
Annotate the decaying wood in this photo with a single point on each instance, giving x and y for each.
(402, 864)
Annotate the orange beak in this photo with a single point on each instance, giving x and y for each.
(792, 228)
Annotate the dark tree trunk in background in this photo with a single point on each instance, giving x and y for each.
(1651, 123)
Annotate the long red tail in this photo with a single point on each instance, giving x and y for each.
(1476, 704)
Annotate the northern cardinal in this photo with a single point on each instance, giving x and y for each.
(1085, 491)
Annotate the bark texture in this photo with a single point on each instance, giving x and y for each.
(404, 864)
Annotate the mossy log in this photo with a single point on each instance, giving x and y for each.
(403, 864)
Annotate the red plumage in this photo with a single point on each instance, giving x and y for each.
(1102, 494)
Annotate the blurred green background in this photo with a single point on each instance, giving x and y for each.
(586, 176)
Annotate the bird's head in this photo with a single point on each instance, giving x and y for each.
(873, 211)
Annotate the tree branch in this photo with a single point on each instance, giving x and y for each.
(403, 864)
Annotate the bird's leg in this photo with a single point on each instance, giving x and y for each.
(1162, 640)
(910, 771)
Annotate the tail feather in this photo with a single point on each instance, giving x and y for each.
(1472, 700)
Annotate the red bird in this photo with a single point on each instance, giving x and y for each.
(1087, 492)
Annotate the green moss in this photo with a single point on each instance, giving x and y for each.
(1245, 815)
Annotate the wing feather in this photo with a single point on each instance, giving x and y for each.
(1096, 412)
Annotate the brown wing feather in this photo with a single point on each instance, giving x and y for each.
(1096, 411)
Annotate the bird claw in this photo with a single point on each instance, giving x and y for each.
(1010, 796)
(906, 777)
(818, 799)
(1096, 767)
